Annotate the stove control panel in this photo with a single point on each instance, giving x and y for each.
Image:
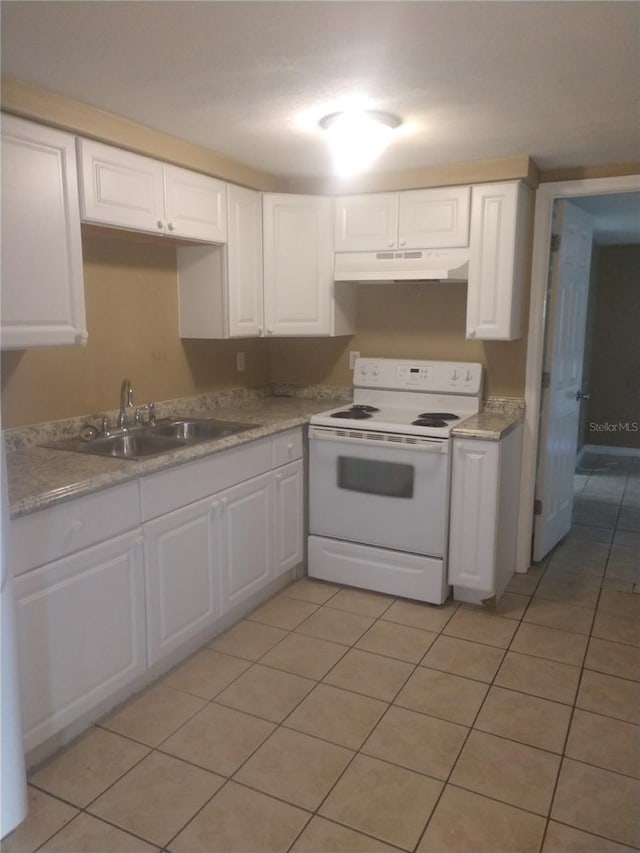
(443, 377)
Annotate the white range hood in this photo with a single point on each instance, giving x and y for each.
(409, 265)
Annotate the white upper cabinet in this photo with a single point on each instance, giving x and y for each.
(125, 190)
(366, 223)
(418, 219)
(195, 205)
(497, 257)
(299, 291)
(220, 288)
(42, 275)
(244, 263)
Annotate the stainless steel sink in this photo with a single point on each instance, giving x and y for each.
(140, 442)
(197, 429)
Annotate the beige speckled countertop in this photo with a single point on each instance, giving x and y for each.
(39, 477)
(488, 426)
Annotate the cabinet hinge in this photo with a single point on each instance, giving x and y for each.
(555, 242)
(537, 507)
(546, 379)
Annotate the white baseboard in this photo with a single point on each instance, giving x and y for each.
(608, 450)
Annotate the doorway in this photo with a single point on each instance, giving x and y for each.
(546, 197)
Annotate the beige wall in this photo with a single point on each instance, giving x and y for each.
(614, 379)
(132, 319)
(407, 320)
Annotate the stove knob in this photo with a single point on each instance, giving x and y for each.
(364, 369)
(455, 375)
(375, 370)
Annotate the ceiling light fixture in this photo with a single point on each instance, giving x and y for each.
(358, 138)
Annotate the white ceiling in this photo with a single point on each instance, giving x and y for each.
(472, 80)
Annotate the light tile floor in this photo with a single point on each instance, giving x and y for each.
(339, 720)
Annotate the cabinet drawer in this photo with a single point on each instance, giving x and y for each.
(287, 447)
(185, 484)
(61, 530)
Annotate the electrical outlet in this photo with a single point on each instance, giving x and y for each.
(352, 359)
(239, 361)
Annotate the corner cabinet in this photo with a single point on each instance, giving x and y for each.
(125, 190)
(220, 288)
(485, 483)
(497, 258)
(417, 219)
(300, 296)
(42, 275)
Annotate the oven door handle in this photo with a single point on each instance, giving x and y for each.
(422, 445)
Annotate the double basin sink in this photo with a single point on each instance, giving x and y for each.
(140, 442)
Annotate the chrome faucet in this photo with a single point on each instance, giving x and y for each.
(126, 402)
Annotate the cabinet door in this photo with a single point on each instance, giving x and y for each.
(42, 275)
(120, 189)
(182, 557)
(497, 252)
(289, 484)
(247, 525)
(474, 509)
(366, 223)
(195, 205)
(80, 633)
(434, 218)
(245, 302)
(298, 265)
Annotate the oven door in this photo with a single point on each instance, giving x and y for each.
(379, 491)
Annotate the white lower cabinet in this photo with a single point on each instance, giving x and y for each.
(483, 521)
(180, 549)
(247, 536)
(81, 633)
(289, 522)
(182, 574)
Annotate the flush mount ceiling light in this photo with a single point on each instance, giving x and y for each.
(357, 138)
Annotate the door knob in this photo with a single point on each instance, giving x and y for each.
(581, 396)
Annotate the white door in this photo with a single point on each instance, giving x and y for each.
(563, 360)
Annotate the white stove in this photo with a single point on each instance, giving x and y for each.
(379, 476)
(411, 398)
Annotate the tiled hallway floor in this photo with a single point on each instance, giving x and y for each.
(338, 720)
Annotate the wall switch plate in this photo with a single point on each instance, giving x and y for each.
(352, 359)
(239, 361)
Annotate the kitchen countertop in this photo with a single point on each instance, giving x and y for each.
(488, 425)
(39, 477)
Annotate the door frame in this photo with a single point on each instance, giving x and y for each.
(546, 195)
